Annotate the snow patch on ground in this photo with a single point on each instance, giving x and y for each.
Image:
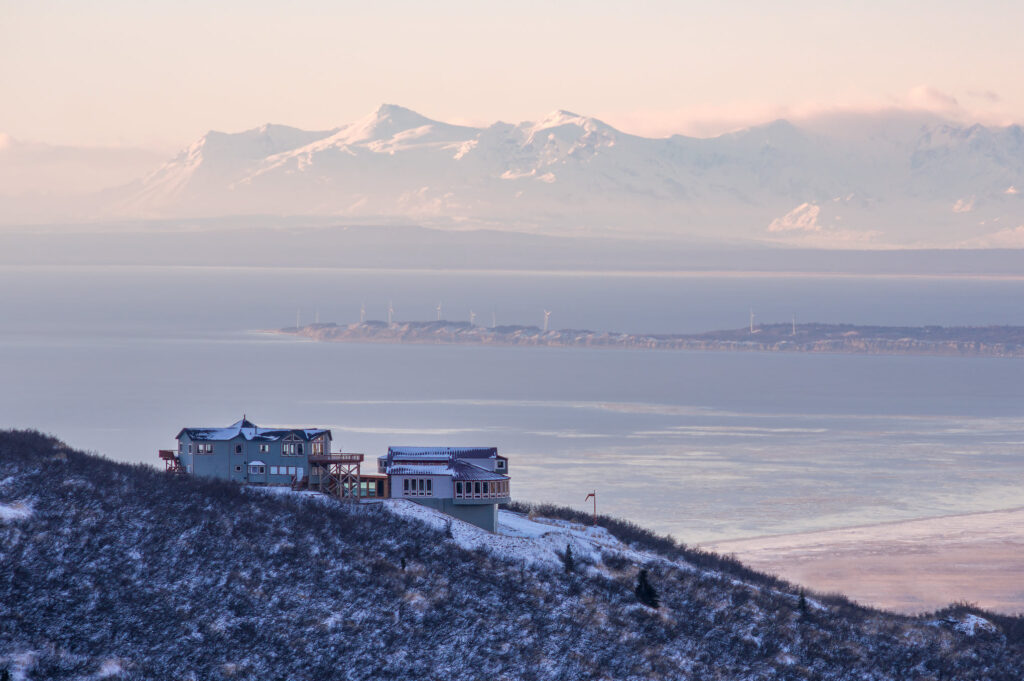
(111, 667)
(20, 664)
(19, 510)
(972, 625)
(540, 541)
(967, 624)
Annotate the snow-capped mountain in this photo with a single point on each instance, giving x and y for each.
(861, 180)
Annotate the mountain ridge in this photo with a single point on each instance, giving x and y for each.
(867, 181)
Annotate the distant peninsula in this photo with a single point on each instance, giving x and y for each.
(953, 341)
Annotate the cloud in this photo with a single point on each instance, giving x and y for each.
(1005, 238)
(930, 99)
(986, 95)
(964, 205)
(711, 120)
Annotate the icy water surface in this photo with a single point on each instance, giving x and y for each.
(706, 446)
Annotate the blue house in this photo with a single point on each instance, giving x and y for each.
(246, 453)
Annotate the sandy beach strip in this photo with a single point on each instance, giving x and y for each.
(912, 566)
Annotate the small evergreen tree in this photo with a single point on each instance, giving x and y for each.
(802, 604)
(568, 560)
(448, 530)
(645, 593)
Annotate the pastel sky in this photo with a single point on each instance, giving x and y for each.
(160, 73)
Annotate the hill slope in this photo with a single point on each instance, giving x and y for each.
(119, 571)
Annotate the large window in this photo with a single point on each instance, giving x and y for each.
(292, 449)
(204, 448)
(264, 449)
(318, 448)
(238, 449)
(257, 470)
(418, 487)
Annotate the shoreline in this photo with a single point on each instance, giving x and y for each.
(911, 566)
(1005, 342)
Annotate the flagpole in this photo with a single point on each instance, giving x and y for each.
(594, 496)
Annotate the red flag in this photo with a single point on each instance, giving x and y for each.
(592, 494)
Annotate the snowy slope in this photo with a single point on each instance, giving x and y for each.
(125, 571)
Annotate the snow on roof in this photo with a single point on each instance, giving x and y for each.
(257, 463)
(463, 470)
(250, 431)
(412, 469)
(412, 454)
(457, 470)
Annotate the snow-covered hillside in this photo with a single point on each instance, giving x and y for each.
(110, 570)
(867, 180)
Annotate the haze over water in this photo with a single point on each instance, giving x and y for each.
(707, 446)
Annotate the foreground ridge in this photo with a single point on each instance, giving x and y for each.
(962, 341)
(118, 570)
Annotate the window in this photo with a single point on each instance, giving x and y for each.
(257, 470)
(500, 465)
(238, 449)
(181, 448)
(430, 491)
(405, 485)
(485, 488)
(190, 449)
(318, 448)
(264, 449)
(238, 469)
(299, 447)
(204, 448)
(273, 470)
(458, 489)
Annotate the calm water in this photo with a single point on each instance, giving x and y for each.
(706, 446)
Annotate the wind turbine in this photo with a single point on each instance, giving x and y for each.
(472, 318)
(547, 317)
(494, 319)
(438, 308)
(362, 312)
(391, 313)
(751, 320)
(794, 325)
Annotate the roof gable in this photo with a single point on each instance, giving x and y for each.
(249, 431)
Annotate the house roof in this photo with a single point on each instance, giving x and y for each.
(248, 430)
(457, 470)
(432, 453)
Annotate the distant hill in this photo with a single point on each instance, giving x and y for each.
(956, 341)
(110, 570)
(861, 180)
